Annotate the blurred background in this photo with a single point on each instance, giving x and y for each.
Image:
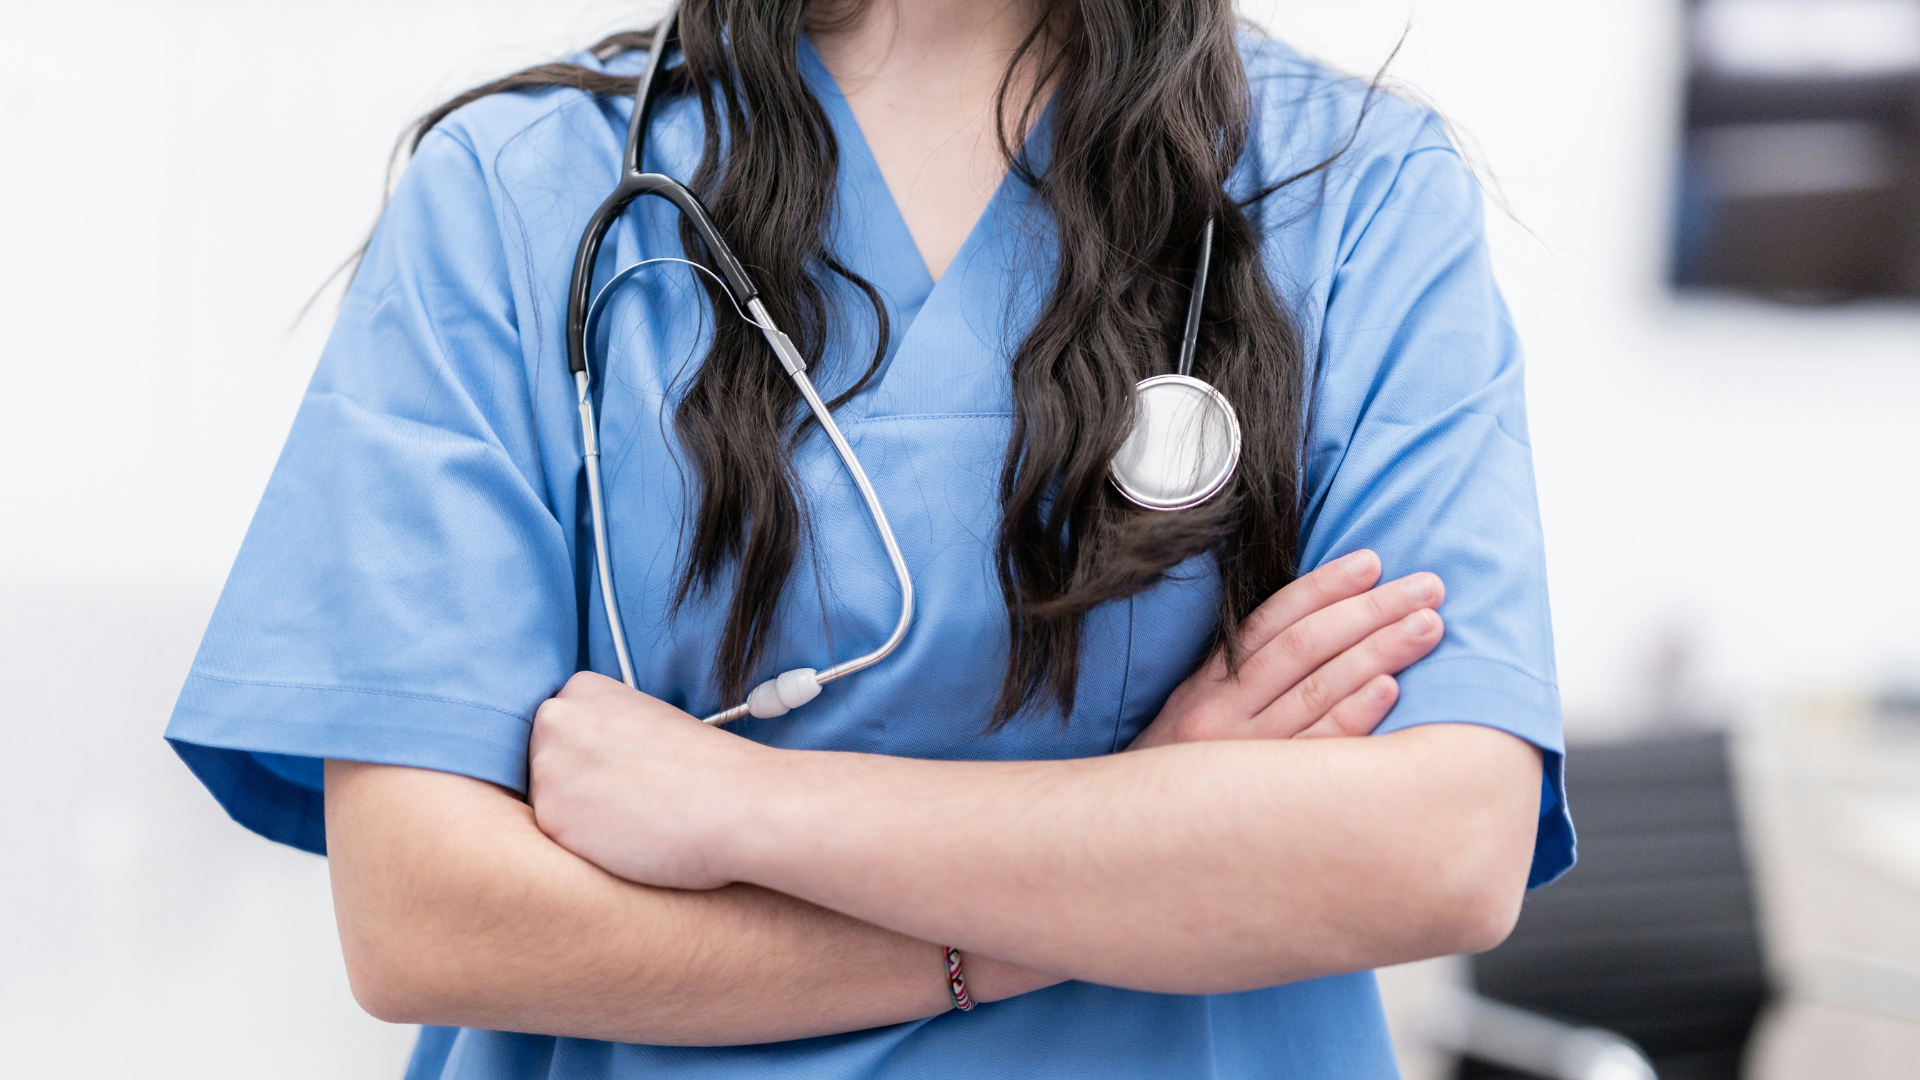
(1706, 218)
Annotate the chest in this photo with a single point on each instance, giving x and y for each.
(937, 475)
(931, 431)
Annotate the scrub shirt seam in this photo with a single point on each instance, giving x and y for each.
(561, 102)
(1373, 213)
(361, 690)
(464, 144)
(1515, 668)
(931, 416)
(1441, 417)
(1126, 677)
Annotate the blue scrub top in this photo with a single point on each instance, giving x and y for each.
(411, 587)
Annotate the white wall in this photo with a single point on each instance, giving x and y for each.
(176, 178)
(1746, 476)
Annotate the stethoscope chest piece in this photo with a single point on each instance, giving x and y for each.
(1183, 448)
(1185, 439)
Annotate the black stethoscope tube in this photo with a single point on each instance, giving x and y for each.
(790, 689)
(633, 185)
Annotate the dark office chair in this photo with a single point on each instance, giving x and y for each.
(1653, 935)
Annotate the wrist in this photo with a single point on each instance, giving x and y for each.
(1166, 729)
(989, 979)
(757, 811)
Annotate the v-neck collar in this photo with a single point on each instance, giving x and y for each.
(865, 197)
(872, 233)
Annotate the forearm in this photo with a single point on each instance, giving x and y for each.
(455, 909)
(1194, 865)
(1200, 868)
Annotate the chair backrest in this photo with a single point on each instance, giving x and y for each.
(1653, 934)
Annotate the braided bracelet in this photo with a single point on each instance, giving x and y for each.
(957, 981)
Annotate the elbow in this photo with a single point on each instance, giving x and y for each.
(1483, 920)
(386, 979)
(1474, 901)
(409, 959)
(417, 981)
(430, 893)
(1458, 917)
(1478, 848)
(382, 997)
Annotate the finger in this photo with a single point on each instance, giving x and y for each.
(1298, 651)
(584, 683)
(551, 722)
(1359, 713)
(1387, 651)
(1347, 576)
(538, 736)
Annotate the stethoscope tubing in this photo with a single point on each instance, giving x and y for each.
(590, 460)
(583, 315)
(797, 371)
(584, 307)
(1196, 300)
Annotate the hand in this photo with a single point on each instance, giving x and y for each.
(1318, 659)
(634, 785)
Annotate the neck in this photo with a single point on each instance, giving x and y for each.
(923, 79)
(965, 40)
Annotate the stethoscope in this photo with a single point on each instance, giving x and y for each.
(1181, 451)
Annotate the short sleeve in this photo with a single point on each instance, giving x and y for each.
(404, 594)
(1418, 449)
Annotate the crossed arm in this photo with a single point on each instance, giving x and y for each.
(779, 894)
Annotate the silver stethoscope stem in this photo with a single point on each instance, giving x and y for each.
(796, 368)
(590, 449)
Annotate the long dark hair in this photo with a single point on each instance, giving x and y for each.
(1150, 111)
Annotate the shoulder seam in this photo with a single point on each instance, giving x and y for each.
(563, 96)
(1399, 172)
(459, 140)
(1548, 684)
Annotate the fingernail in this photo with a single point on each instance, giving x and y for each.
(1424, 588)
(1380, 688)
(1359, 564)
(1421, 623)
